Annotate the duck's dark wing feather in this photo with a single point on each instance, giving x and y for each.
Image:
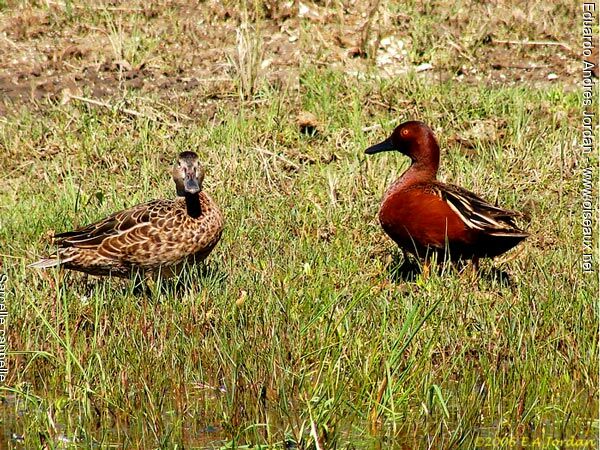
(479, 214)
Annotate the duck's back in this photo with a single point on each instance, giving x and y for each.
(418, 220)
(148, 237)
(434, 217)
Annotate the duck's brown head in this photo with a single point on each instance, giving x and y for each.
(188, 174)
(415, 140)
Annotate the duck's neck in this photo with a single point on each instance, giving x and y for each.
(424, 167)
(192, 203)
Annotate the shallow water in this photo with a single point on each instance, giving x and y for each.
(572, 433)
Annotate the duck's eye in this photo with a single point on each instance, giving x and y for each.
(404, 132)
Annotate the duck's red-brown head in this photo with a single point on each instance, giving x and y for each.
(415, 140)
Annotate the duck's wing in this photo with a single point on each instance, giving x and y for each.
(126, 227)
(479, 214)
(117, 235)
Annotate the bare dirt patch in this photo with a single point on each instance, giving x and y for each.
(496, 42)
(101, 50)
(179, 49)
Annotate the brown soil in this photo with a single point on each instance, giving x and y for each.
(475, 42)
(48, 54)
(104, 50)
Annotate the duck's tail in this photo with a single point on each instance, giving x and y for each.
(46, 263)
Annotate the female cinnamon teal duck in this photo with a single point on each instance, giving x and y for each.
(424, 216)
(160, 235)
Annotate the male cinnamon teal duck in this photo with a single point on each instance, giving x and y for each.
(160, 235)
(424, 216)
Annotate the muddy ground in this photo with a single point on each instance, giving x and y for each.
(51, 51)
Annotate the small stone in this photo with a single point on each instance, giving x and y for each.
(423, 67)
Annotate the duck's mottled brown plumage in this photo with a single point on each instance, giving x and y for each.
(158, 236)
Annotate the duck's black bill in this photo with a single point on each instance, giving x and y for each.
(384, 146)
(191, 185)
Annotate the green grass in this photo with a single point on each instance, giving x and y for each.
(298, 330)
